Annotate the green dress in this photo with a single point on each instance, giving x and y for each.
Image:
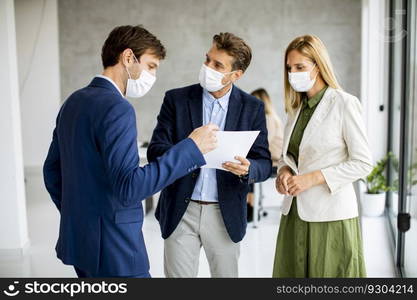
(316, 249)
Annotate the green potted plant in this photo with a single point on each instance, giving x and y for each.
(412, 183)
(412, 177)
(395, 183)
(373, 198)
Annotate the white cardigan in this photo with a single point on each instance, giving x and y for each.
(334, 142)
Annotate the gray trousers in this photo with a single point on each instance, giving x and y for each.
(201, 225)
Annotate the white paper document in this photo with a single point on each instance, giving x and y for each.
(230, 144)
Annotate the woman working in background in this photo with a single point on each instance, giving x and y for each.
(275, 136)
(325, 150)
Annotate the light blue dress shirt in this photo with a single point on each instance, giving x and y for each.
(214, 111)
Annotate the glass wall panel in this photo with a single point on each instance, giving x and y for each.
(410, 141)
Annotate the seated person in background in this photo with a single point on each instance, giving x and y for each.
(275, 137)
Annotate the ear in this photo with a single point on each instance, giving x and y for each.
(126, 57)
(317, 69)
(236, 75)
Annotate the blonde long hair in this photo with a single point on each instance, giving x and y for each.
(263, 95)
(313, 48)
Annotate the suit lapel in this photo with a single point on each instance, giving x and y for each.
(232, 117)
(318, 116)
(195, 105)
(233, 110)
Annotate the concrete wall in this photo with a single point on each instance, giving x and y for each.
(186, 28)
(38, 69)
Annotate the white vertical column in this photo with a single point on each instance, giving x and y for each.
(373, 74)
(13, 223)
(38, 70)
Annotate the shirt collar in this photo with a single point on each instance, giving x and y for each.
(111, 81)
(313, 101)
(223, 101)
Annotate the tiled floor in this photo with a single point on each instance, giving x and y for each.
(257, 249)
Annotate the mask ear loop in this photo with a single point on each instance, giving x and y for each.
(128, 73)
(228, 74)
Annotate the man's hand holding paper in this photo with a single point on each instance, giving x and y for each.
(239, 169)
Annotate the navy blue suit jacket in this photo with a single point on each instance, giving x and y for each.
(93, 176)
(181, 113)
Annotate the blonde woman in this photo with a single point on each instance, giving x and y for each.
(325, 150)
(273, 124)
(275, 137)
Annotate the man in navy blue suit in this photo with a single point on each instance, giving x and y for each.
(207, 208)
(92, 169)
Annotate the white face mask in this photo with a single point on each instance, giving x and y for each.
(137, 88)
(211, 79)
(300, 81)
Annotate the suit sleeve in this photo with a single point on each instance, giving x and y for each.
(359, 163)
(129, 181)
(52, 172)
(259, 156)
(161, 140)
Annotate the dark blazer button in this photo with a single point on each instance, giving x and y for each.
(187, 200)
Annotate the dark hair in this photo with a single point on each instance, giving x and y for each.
(136, 38)
(261, 94)
(236, 47)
